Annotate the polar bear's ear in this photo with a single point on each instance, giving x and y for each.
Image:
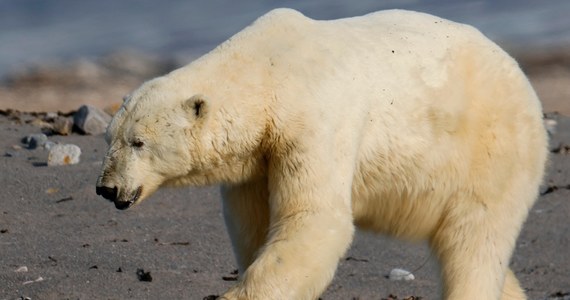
(196, 106)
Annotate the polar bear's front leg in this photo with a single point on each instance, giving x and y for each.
(246, 214)
(298, 262)
(310, 230)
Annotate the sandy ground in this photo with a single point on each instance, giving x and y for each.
(76, 245)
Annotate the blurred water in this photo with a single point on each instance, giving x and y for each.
(33, 31)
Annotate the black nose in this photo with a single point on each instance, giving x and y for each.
(107, 192)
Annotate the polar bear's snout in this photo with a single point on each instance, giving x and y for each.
(107, 192)
(112, 194)
(122, 200)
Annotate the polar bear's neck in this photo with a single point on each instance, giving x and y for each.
(233, 133)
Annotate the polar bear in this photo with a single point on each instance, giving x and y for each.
(395, 122)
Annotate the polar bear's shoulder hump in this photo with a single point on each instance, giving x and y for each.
(282, 15)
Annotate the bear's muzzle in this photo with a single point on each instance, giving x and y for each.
(112, 194)
(107, 192)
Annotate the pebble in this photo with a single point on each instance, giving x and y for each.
(550, 125)
(21, 269)
(10, 154)
(48, 145)
(39, 279)
(14, 152)
(50, 116)
(63, 154)
(35, 140)
(401, 274)
(62, 125)
(91, 120)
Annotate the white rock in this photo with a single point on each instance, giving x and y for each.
(91, 120)
(60, 155)
(39, 279)
(401, 274)
(22, 269)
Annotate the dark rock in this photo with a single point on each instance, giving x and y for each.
(34, 141)
(91, 120)
(143, 276)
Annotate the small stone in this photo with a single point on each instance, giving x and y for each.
(50, 116)
(39, 279)
(60, 155)
(91, 120)
(48, 145)
(50, 191)
(38, 122)
(34, 141)
(62, 125)
(113, 108)
(143, 276)
(401, 274)
(550, 125)
(22, 269)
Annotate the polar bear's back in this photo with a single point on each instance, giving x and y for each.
(383, 33)
(381, 51)
(401, 67)
(379, 54)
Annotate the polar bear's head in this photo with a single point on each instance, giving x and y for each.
(153, 139)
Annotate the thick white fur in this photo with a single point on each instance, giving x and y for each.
(397, 122)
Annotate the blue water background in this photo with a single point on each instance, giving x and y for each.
(36, 31)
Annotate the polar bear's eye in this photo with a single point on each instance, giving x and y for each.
(137, 143)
